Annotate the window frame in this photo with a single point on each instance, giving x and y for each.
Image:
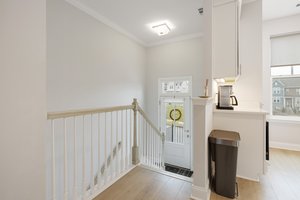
(175, 94)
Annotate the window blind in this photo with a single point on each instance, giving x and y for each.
(285, 50)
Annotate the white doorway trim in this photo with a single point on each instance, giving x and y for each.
(186, 95)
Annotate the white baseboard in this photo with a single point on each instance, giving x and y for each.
(287, 146)
(247, 178)
(200, 193)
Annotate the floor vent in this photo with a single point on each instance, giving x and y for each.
(178, 170)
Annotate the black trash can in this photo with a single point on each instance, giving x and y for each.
(223, 151)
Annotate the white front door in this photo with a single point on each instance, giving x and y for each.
(175, 123)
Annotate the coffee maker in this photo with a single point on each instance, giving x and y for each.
(225, 98)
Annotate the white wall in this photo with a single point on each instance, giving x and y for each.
(23, 99)
(285, 134)
(248, 89)
(173, 60)
(282, 134)
(89, 64)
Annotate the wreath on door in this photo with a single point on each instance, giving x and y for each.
(175, 114)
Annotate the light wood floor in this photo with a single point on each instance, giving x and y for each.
(282, 182)
(143, 184)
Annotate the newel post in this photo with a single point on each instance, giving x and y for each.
(135, 148)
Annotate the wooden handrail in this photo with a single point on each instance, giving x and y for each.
(73, 113)
(140, 110)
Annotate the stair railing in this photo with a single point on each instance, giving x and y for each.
(151, 141)
(93, 148)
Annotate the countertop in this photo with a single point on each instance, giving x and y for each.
(238, 110)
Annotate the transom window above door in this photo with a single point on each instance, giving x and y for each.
(175, 86)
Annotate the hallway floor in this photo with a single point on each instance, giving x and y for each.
(144, 184)
(282, 182)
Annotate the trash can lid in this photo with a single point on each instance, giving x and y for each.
(229, 138)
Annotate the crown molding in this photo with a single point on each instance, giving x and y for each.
(92, 13)
(103, 20)
(175, 39)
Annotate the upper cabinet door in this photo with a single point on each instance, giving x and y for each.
(225, 39)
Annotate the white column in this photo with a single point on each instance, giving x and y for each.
(202, 126)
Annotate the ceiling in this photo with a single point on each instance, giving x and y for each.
(132, 17)
(273, 9)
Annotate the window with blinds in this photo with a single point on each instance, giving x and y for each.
(285, 72)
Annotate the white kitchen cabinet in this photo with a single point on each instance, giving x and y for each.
(226, 15)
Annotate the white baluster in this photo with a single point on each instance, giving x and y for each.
(147, 144)
(105, 149)
(99, 152)
(111, 145)
(92, 157)
(83, 160)
(122, 143)
(53, 162)
(145, 141)
(156, 150)
(159, 151)
(152, 146)
(130, 137)
(163, 149)
(117, 143)
(126, 138)
(65, 160)
(75, 161)
(140, 137)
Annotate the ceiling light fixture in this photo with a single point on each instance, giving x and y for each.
(298, 5)
(161, 28)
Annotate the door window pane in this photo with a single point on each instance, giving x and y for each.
(182, 86)
(174, 122)
(167, 87)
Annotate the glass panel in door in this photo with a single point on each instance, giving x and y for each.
(174, 122)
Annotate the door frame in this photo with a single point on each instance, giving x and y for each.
(182, 95)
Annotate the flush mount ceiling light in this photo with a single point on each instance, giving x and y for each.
(161, 28)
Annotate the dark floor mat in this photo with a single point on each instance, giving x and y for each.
(178, 170)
